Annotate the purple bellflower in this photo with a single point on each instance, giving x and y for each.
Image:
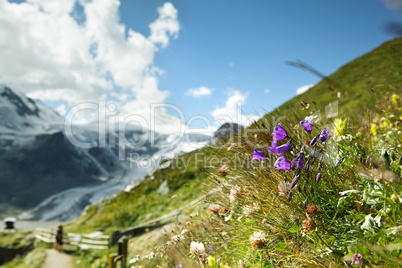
(290, 197)
(325, 135)
(307, 125)
(279, 133)
(318, 178)
(295, 180)
(282, 163)
(314, 140)
(285, 147)
(258, 155)
(298, 160)
(274, 148)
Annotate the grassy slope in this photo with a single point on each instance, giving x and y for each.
(376, 70)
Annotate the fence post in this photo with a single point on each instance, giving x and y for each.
(111, 263)
(123, 241)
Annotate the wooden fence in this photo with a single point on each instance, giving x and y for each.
(84, 241)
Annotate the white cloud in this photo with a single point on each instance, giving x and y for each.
(267, 90)
(165, 26)
(62, 109)
(232, 111)
(52, 57)
(303, 89)
(199, 92)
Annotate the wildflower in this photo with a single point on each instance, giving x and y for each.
(284, 188)
(306, 167)
(282, 163)
(258, 155)
(290, 197)
(211, 261)
(307, 125)
(339, 126)
(211, 248)
(285, 147)
(312, 209)
(395, 98)
(177, 238)
(197, 248)
(325, 135)
(298, 161)
(294, 181)
(184, 231)
(357, 259)
(314, 140)
(318, 178)
(340, 161)
(249, 209)
(214, 209)
(308, 224)
(258, 240)
(305, 203)
(274, 148)
(315, 153)
(223, 170)
(279, 133)
(235, 193)
(179, 266)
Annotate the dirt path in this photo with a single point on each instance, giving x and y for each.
(56, 259)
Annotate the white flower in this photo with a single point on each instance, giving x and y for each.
(197, 247)
(249, 209)
(177, 238)
(258, 236)
(184, 231)
(234, 193)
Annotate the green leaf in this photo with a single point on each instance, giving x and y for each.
(280, 246)
(293, 229)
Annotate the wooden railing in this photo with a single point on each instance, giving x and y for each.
(84, 241)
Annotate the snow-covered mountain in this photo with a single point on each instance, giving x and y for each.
(51, 171)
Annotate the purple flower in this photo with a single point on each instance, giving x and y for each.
(299, 160)
(305, 203)
(274, 147)
(318, 178)
(325, 135)
(279, 133)
(357, 259)
(314, 140)
(339, 162)
(295, 180)
(290, 197)
(211, 248)
(258, 155)
(307, 125)
(282, 163)
(285, 147)
(315, 153)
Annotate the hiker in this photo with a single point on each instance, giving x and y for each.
(59, 238)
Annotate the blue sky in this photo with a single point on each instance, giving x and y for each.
(238, 49)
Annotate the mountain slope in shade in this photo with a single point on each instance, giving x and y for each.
(48, 177)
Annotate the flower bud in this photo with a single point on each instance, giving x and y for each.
(318, 178)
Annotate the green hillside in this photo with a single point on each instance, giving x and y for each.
(379, 71)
